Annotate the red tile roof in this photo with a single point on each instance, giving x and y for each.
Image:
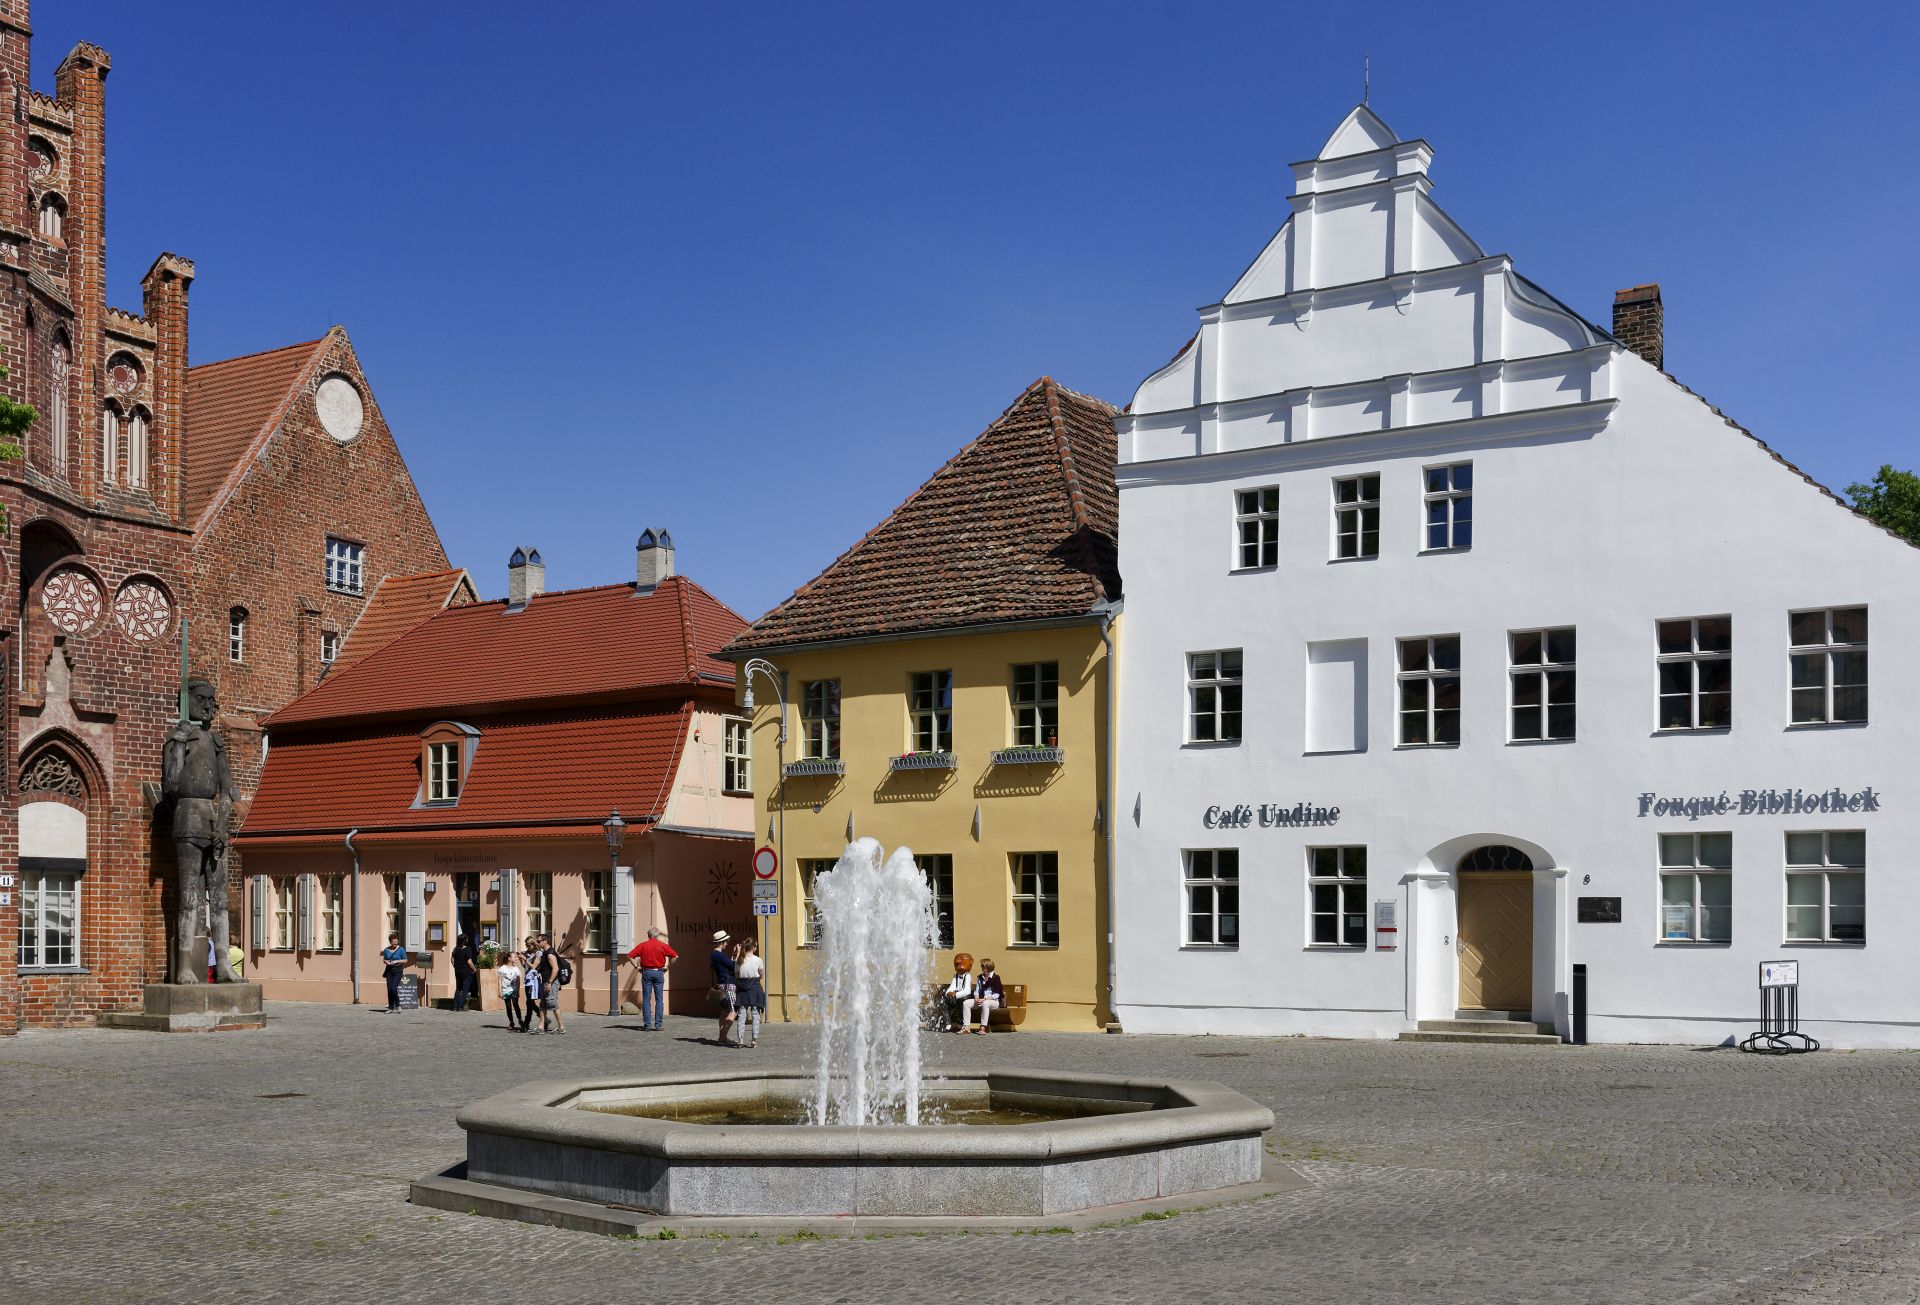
(230, 405)
(527, 770)
(399, 603)
(1020, 525)
(568, 647)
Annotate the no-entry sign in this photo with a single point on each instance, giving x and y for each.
(766, 863)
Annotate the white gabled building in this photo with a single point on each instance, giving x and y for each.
(1450, 612)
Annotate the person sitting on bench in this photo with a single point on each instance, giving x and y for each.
(956, 993)
(988, 994)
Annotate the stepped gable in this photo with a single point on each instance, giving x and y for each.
(1020, 525)
(399, 604)
(231, 406)
(580, 645)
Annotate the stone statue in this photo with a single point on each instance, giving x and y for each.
(197, 778)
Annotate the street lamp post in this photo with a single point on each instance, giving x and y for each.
(616, 835)
(762, 666)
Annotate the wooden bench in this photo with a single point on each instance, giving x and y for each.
(1008, 1017)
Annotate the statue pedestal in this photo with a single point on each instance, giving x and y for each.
(193, 1008)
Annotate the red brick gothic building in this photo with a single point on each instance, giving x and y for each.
(262, 498)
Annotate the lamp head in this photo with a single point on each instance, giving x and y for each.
(616, 832)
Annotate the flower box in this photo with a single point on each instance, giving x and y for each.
(814, 766)
(1030, 755)
(924, 761)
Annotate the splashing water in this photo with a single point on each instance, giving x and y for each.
(877, 924)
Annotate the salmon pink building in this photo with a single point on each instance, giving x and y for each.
(458, 777)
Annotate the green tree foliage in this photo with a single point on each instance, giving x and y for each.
(15, 419)
(1892, 500)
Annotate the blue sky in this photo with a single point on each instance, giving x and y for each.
(754, 271)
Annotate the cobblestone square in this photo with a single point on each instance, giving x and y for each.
(273, 1166)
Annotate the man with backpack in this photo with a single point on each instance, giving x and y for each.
(556, 972)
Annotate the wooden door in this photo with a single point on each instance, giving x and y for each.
(1496, 940)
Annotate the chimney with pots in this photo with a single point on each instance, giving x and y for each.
(526, 578)
(653, 560)
(1639, 322)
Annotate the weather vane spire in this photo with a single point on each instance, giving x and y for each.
(1366, 77)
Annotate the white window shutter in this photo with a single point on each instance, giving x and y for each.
(622, 909)
(260, 890)
(416, 938)
(509, 909)
(303, 895)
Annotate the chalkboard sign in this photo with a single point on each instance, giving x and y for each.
(1599, 910)
(410, 993)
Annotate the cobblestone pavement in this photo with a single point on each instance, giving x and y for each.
(272, 1166)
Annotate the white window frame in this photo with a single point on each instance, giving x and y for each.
(1826, 871)
(285, 911)
(60, 360)
(1348, 936)
(1692, 858)
(109, 445)
(596, 912)
(811, 868)
(1428, 676)
(42, 895)
(329, 647)
(346, 564)
(539, 901)
(237, 634)
(820, 719)
(1689, 661)
(443, 771)
(137, 425)
(1826, 655)
(1209, 682)
(1448, 506)
(395, 887)
(937, 869)
(329, 935)
(1035, 699)
(736, 754)
(1256, 528)
(1030, 873)
(1356, 517)
(930, 711)
(1542, 673)
(1208, 873)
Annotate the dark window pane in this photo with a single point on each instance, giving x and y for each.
(1437, 513)
(1227, 862)
(1463, 531)
(1270, 553)
(1676, 636)
(1413, 727)
(1809, 670)
(1716, 634)
(1560, 722)
(1560, 686)
(1446, 692)
(1526, 648)
(1676, 677)
(1370, 487)
(1228, 900)
(1413, 654)
(1436, 480)
(1463, 476)
(1560, 646)
(1270, 500)
(1850, 625)
(1199, 927)
(1526, 722)
(1229, 929)
(1849, 668)
(1346, 491)
(1676, 711)
(1446, 726)
(1370, 543)
(1716, 711)
(1436, 536)
(1230, 664)
(1446, 653)
(1808, 628)
(1202, 666)
(1356, 862)
(1850, 704)
(1326, 928)
(1809, 706)
(1526, 690)
(1413, 695)
(1326, 861)
(1716, 676)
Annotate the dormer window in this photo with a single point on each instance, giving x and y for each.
(447, 750)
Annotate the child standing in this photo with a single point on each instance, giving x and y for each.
(530, 985)
(510, 973)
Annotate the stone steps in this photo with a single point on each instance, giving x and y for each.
(1505, 1031)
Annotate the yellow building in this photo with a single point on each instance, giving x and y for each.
(948, 683)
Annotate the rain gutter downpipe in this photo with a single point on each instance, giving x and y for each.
(1111, 816)
(353, 899)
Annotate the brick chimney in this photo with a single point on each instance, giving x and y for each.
(80, 83)
(16, 37)
(653, 560)
(526, 577)
(164, 303)
(1639, 322)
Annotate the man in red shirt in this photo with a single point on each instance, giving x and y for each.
(652, 954)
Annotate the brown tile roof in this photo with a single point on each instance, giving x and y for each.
(567, 647)
(1020, 525)
(531, 770)
(230, 405)
(398, 604)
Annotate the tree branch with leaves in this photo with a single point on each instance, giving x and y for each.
(1891, 499)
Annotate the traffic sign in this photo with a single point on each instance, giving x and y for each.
(766, 908)
(765, 890)
(766, 863)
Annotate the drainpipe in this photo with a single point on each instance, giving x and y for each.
(353, 928)
(1110, 817)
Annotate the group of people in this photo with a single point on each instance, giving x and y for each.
(969, 992)
(739, 992)
(530, 983)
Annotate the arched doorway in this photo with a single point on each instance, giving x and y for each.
(1495, 929)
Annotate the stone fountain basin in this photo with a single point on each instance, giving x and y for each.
(1166, 1139)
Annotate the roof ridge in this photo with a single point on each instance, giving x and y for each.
(686, 625)
(261, 353)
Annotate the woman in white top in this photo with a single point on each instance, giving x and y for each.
(750, 997)
(510, 974)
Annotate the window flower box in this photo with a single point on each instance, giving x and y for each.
(924, 761)
(1030, 755)
(814, 766)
